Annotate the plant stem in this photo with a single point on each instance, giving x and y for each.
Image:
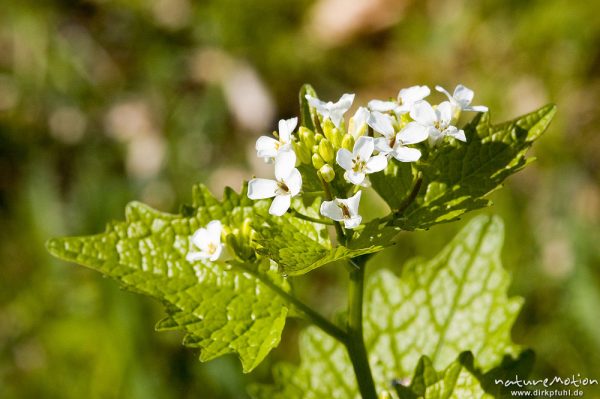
(355, 343)
(316, 318)
(310, 219)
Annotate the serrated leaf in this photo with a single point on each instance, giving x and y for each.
(394, 183)
(440, 308)
(222, 309)
(455, 382)
(294, 245)
(458, 177)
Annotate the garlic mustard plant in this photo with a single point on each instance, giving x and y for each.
(226, 269)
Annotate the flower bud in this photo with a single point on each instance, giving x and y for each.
(318, 137)
(327, 173)
(307, 137)
(348, 142)
(326, 151)
(338, 136)
(302, 152)
(247, 228)
(317, 161)
(328, 129)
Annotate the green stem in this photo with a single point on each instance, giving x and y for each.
(310, 219)
(355, 344)
(316, 318)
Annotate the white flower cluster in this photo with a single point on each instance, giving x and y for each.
(396, 126)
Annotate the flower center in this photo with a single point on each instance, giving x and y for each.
(212, 248)
(345, 211)
(282, 188)
(358, 164)
(439, 125)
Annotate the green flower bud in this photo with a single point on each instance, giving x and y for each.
(317, 161)
(348, 142)
(318, 137)
(327, 173)
(338, 136)
(303, 152)
(328, 130)
(247, 228)
(326, 151)
(307, 137)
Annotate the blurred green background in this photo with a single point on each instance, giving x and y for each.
(107, 101)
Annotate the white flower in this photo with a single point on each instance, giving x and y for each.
(333, 111)
(461, 99)
(384, 106)
(436, 122)
(409, 96)
(395, 144)
(345, 210)
(359, 162)
(268, 147)
(358, 123)
(286, 185)
(208, 241)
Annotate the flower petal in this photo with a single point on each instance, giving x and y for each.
(352, 222)
(376, 164)
(358, 121)
(280, 205)
(354, 177)
(457, 134)
(423, 113)
(331, 210)
(444, 110)
(363, 148)
(382, 144)
(442, 90)
(214, 229)
(201, 239)
(381, 123)
(406, 154)
(286, 127)
(413, 94)
(284, 163)
(217, 254)
(266, 147)
(344, 158)
(413, 133)
(261, 188)
(382, 106)
(294, 182)
(477, 108)
(353, 203)
(463, 96)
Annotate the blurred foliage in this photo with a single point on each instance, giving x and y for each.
(107, 101)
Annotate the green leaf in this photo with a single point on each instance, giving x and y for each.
(455, 382)
(221, 309)
(458, 177)
(439, 308)
(394, 183)
(299, 246)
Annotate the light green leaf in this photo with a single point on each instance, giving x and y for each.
(439, 308)
(296, 247)
(455, 382)
(458, 177)
(222, 309)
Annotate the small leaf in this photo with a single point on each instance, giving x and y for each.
(221, 309)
